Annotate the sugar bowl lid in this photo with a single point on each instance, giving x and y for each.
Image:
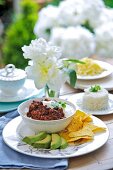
(10, 73)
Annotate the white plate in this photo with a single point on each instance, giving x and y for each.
(26, 92)
(108, 70)
(106, 83)
(77, 100)
(10, 137)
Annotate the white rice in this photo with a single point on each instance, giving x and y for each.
(95, 100)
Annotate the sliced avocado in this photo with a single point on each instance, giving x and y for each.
(34, 138)
(56, 141)
(64, 143)
(45, 143)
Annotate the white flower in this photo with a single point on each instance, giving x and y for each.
(77, 12)
(56, 35)
(74, 25)
(46, 72)
(76, 42)
(105, 16)
(48, 18)
(71, 12)
(43, 67)
(40, 49)
(57, 80)
(93, 11)
(104, 40)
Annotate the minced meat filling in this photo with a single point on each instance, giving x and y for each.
(38, 111)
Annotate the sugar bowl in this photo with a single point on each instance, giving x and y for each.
(11, 79)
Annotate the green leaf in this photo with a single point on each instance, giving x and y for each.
(74, 61)
(73, 77)
(59, 104)
(49, 92)
(95, 88)
(62, 104)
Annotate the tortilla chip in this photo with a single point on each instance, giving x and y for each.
(75, 125)
(82, 141)
(80, 137)
(84, 116)
(87, 119)
(94, 128)
(85, 131)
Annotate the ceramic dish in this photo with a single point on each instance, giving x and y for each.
(108, 70)
(27, 91)
(51, 126)
(13, 139)
(77, 100)
(106, 83)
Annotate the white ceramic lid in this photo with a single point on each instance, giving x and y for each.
(10, 73)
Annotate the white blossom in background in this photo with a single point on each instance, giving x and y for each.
(48, 18)
(93, 10)
(56, 35)
(104, 40)
(44, 68)
(71, 12)
(105, 16)
(76, 42)
(92, 18)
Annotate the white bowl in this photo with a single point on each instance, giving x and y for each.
(50, 126)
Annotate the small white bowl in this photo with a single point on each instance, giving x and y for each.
(50, 126)
(11, 80)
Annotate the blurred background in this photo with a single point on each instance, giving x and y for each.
(17, 21)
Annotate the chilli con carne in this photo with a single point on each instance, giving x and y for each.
(39, 111)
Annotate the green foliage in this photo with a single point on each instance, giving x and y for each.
(20, 33)
(2, 2)
(108, 3)
(54, 2)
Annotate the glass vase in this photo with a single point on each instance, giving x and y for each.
(50, 93)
